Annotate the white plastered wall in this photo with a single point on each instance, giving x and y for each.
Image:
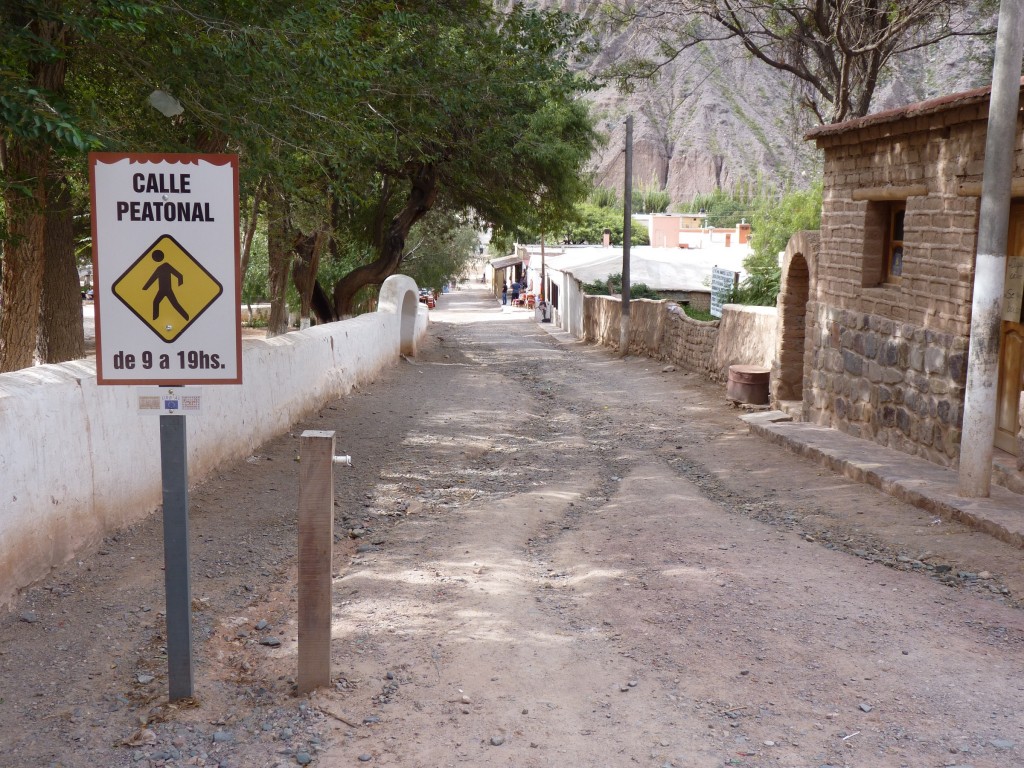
(78, 460)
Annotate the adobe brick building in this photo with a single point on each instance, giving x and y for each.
(882, 345)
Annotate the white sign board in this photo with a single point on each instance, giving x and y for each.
(165, 268)
(722, 283)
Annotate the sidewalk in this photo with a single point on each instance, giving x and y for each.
(908, 478)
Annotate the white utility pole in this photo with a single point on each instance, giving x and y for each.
(976, 442)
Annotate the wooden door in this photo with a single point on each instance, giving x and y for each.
(1011, 348)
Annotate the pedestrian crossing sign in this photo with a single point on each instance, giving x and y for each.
(167, 288)
(166, 269)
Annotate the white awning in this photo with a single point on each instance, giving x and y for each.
(506, 261)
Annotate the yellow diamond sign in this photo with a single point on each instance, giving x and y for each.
(167, 288)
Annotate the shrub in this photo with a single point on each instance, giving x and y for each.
(613, 287)
(773, 223)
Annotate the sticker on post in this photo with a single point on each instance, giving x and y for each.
(169, 401)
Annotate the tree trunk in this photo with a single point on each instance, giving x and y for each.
(250, 231)
(323, 308)
(279, 248)
(421, 199)
(25, 164)
(61, 336)
(304, 269)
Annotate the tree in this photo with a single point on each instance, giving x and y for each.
(612, 286)
(61, 335)
(591, 221)
(477, 110)
(774, 221)
(724, 209)
(34, 44)
(353, 120)
(651, 198)
(39, 132)
(440, 249)
(837, 49)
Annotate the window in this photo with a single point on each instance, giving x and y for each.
(893, 255)
(883, 254)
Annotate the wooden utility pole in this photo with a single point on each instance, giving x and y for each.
(976, 442)
(627, 236)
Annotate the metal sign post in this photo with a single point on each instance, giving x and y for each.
(167, 287)
(177, 572)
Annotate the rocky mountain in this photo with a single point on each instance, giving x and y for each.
(717, 118)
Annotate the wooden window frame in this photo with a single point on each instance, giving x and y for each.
(894, 251)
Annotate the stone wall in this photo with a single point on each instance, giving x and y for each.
(601, 322)
(662, 330)
(895, 383)
(690, 343)
(746, 336)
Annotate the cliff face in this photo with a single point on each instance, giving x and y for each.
(711, 120)
(717, 118)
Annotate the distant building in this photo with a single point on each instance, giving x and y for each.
(687, 230)
(680, 272)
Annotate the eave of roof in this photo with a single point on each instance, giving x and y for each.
(930, 107)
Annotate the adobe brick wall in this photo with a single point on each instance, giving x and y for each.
(601, 323)
(888, 362)
(663, 331)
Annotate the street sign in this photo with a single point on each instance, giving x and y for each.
(166, 269)
(160, 266)
(722, 283)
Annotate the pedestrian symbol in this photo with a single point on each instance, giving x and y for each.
(166, 288)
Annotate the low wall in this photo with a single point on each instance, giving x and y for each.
(601, 323)
(746, 336)
(662, 330)
(79, 461)
(690, 343)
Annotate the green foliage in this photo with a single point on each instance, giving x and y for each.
(613, 287)
(440, 249)
(650, 198)
(37, 38)
(773, 223)
(593, 220)
(502, 244)
(604, 197)
(724, 209)
(341, 107)
(343, 258)
(776, 220)
(699, 314)
(255, 288)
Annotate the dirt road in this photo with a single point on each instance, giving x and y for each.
(545, 556)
